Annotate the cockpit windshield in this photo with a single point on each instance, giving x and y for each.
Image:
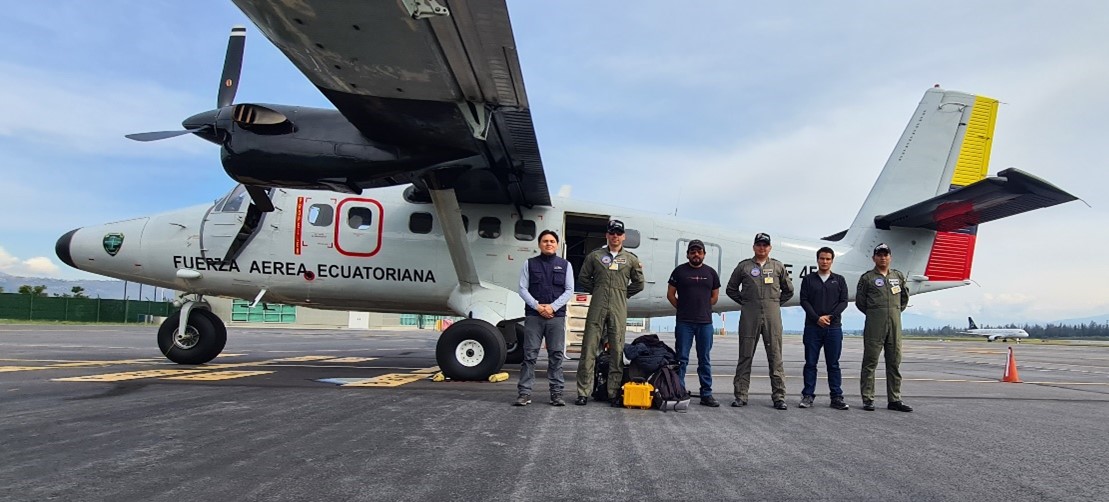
(233, 202)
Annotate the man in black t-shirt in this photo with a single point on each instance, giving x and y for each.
(693, 290)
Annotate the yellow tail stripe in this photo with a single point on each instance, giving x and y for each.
(974, 155)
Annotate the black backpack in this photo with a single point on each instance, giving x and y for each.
(600, 378)
(670, 393)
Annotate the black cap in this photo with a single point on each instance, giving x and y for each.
(695, 243)
(615, 227)
(762, 237)
(882, 249)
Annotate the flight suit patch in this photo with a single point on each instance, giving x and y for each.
(755, 272)
(878, 281)
(606, 259)
(621, 260)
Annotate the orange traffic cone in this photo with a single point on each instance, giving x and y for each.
(1011, 369)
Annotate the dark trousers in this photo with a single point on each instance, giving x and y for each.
(685, 334)
(831, 339)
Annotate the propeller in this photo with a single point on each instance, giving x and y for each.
(158, 135)
(232, 66)
(229, 84)
(213, 125)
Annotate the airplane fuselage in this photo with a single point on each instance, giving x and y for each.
(380, 252)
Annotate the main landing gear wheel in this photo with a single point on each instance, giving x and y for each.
(201, 342)
(470, 349)
(515, 354)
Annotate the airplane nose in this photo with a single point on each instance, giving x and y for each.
(62, 248)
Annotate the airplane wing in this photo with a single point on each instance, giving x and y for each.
(420, 72)
(1011, 192)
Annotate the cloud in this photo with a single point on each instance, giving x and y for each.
(39, 266)
(57, 109)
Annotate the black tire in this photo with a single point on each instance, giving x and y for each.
(470, 350)
(515, 351)
(206, 336)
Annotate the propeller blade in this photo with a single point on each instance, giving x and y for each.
(260, 198)
(232, 65)
(157, 135)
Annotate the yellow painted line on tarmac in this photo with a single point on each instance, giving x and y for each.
(127, 375)
(386, 380)
(212, 376)
(427, 371)
(87, 364)
(300, 358)
(349, 360)
(9, 369)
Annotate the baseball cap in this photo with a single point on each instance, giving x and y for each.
(695, 243)
(882, 249)
(762, 237)
(615, 227)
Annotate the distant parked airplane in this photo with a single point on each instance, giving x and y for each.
(991, 334)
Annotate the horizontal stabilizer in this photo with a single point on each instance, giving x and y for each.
(1011, 192)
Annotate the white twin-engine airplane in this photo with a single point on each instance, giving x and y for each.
(992, 334)
(432, 117)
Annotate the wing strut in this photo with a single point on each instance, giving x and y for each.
(472, 297)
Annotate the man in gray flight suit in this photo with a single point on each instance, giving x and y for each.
(760, 285)
(611, 274)
(882, 294)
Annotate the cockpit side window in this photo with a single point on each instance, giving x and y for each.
(233, 203)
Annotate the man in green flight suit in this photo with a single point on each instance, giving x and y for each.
(882, 294)
(760, 285)
(612, 275)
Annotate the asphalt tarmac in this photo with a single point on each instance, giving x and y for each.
(95, 413)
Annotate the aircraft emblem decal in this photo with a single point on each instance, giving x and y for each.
(879, 282)
(112, 243)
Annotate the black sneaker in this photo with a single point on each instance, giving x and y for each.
(710, 401)
(806, 401)
(739, 403)
(556, 400)
(522, 400)
(616, 402)
(837, 403)
(868, 405)
(899, 406)
(780, 405)
(581, 400)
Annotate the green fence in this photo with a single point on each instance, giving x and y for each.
(52, 308)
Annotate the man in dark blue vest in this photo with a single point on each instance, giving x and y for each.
(546, 284)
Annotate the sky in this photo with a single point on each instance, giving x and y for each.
(666, 105)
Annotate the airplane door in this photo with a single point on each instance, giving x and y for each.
(358, 227)
(226, 220)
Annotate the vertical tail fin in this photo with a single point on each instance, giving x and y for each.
(971, 321)
(945, 146)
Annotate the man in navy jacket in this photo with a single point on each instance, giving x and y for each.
(824, 298)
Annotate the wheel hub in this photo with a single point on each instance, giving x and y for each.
(469, 353)
(186, 340)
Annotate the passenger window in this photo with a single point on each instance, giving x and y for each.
(631, 238)
(419, 223)
(360, 218)
(489, 227)
(525, 230)
(320, 215)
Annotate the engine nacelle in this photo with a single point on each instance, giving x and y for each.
(312, 148)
